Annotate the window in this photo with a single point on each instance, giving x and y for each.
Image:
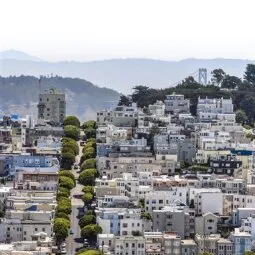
(133, 245)
(36, 229)
(126, 245)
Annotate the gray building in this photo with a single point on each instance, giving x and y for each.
(52, 106)
(184, 148)
(176, 104)
(172, 219)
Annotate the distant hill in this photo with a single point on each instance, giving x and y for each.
(20, 95)
(17, 55)
(123, 74)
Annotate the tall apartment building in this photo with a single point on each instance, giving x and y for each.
(176, 104)
(52, 106)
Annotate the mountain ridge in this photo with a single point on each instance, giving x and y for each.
(124, 73)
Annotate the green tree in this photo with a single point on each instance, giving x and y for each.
(62, 215)
(231, 82)
(89, 124)
(124, 101)
(67, 173)
(89, 151)
(62, 194)
(88, 163)
(241, 117)
(249, 253)
(90, 132)
(87, 177)
(87, 198)
(249, 74)
(66, 182)
(72, 120)
(69, 144)
(91, 231)
(85, 156)
(218, 76)
(64, 190)
(189, 83)
(89, 189)
(87, 220)
(90, 144)
(89, 252)
(146, 216)
(67, 160)
(72, 132)
(64, 205)
(61, 227)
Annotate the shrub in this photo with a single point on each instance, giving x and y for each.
(90, 133)
(89, 124)
(70, 144)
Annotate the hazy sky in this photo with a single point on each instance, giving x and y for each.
(100, 29)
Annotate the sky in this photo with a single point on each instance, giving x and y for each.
(85, 30)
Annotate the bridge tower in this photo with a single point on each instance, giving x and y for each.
(202, 76)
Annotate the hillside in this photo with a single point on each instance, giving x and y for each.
(123, 74)
(20, 95)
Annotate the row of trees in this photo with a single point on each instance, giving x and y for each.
(89, 228)
(62, 221)
(67, 181)
(242, 92)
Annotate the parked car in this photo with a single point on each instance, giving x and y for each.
(71, 232)
(63, 251)
(63, 245)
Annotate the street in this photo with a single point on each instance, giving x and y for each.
(71, 241)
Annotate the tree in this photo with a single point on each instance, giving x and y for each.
(88, 163)
(249, 253)
(217, 76)
(89, 124)
(90, 144)
(89, 189)
(65, 190)
(72, 132)
(67, 160)
(249, 74)
(189, 83)
(85, 156)
(87, 177)
(66, 182)
(87, 220)
(62, 215)
(124, 101)
(89, 252)
(90, 132)
(241, 117)
(67, 173)
(62, 194)
(146, 216)
(69, 144)
(72, 120)
(231, 82)
(61, 227)
(89, 151)
(87, 198)
(91, 231)
(64, 205)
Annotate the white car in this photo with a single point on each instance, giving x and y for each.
(63, 245)
(63, 251)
